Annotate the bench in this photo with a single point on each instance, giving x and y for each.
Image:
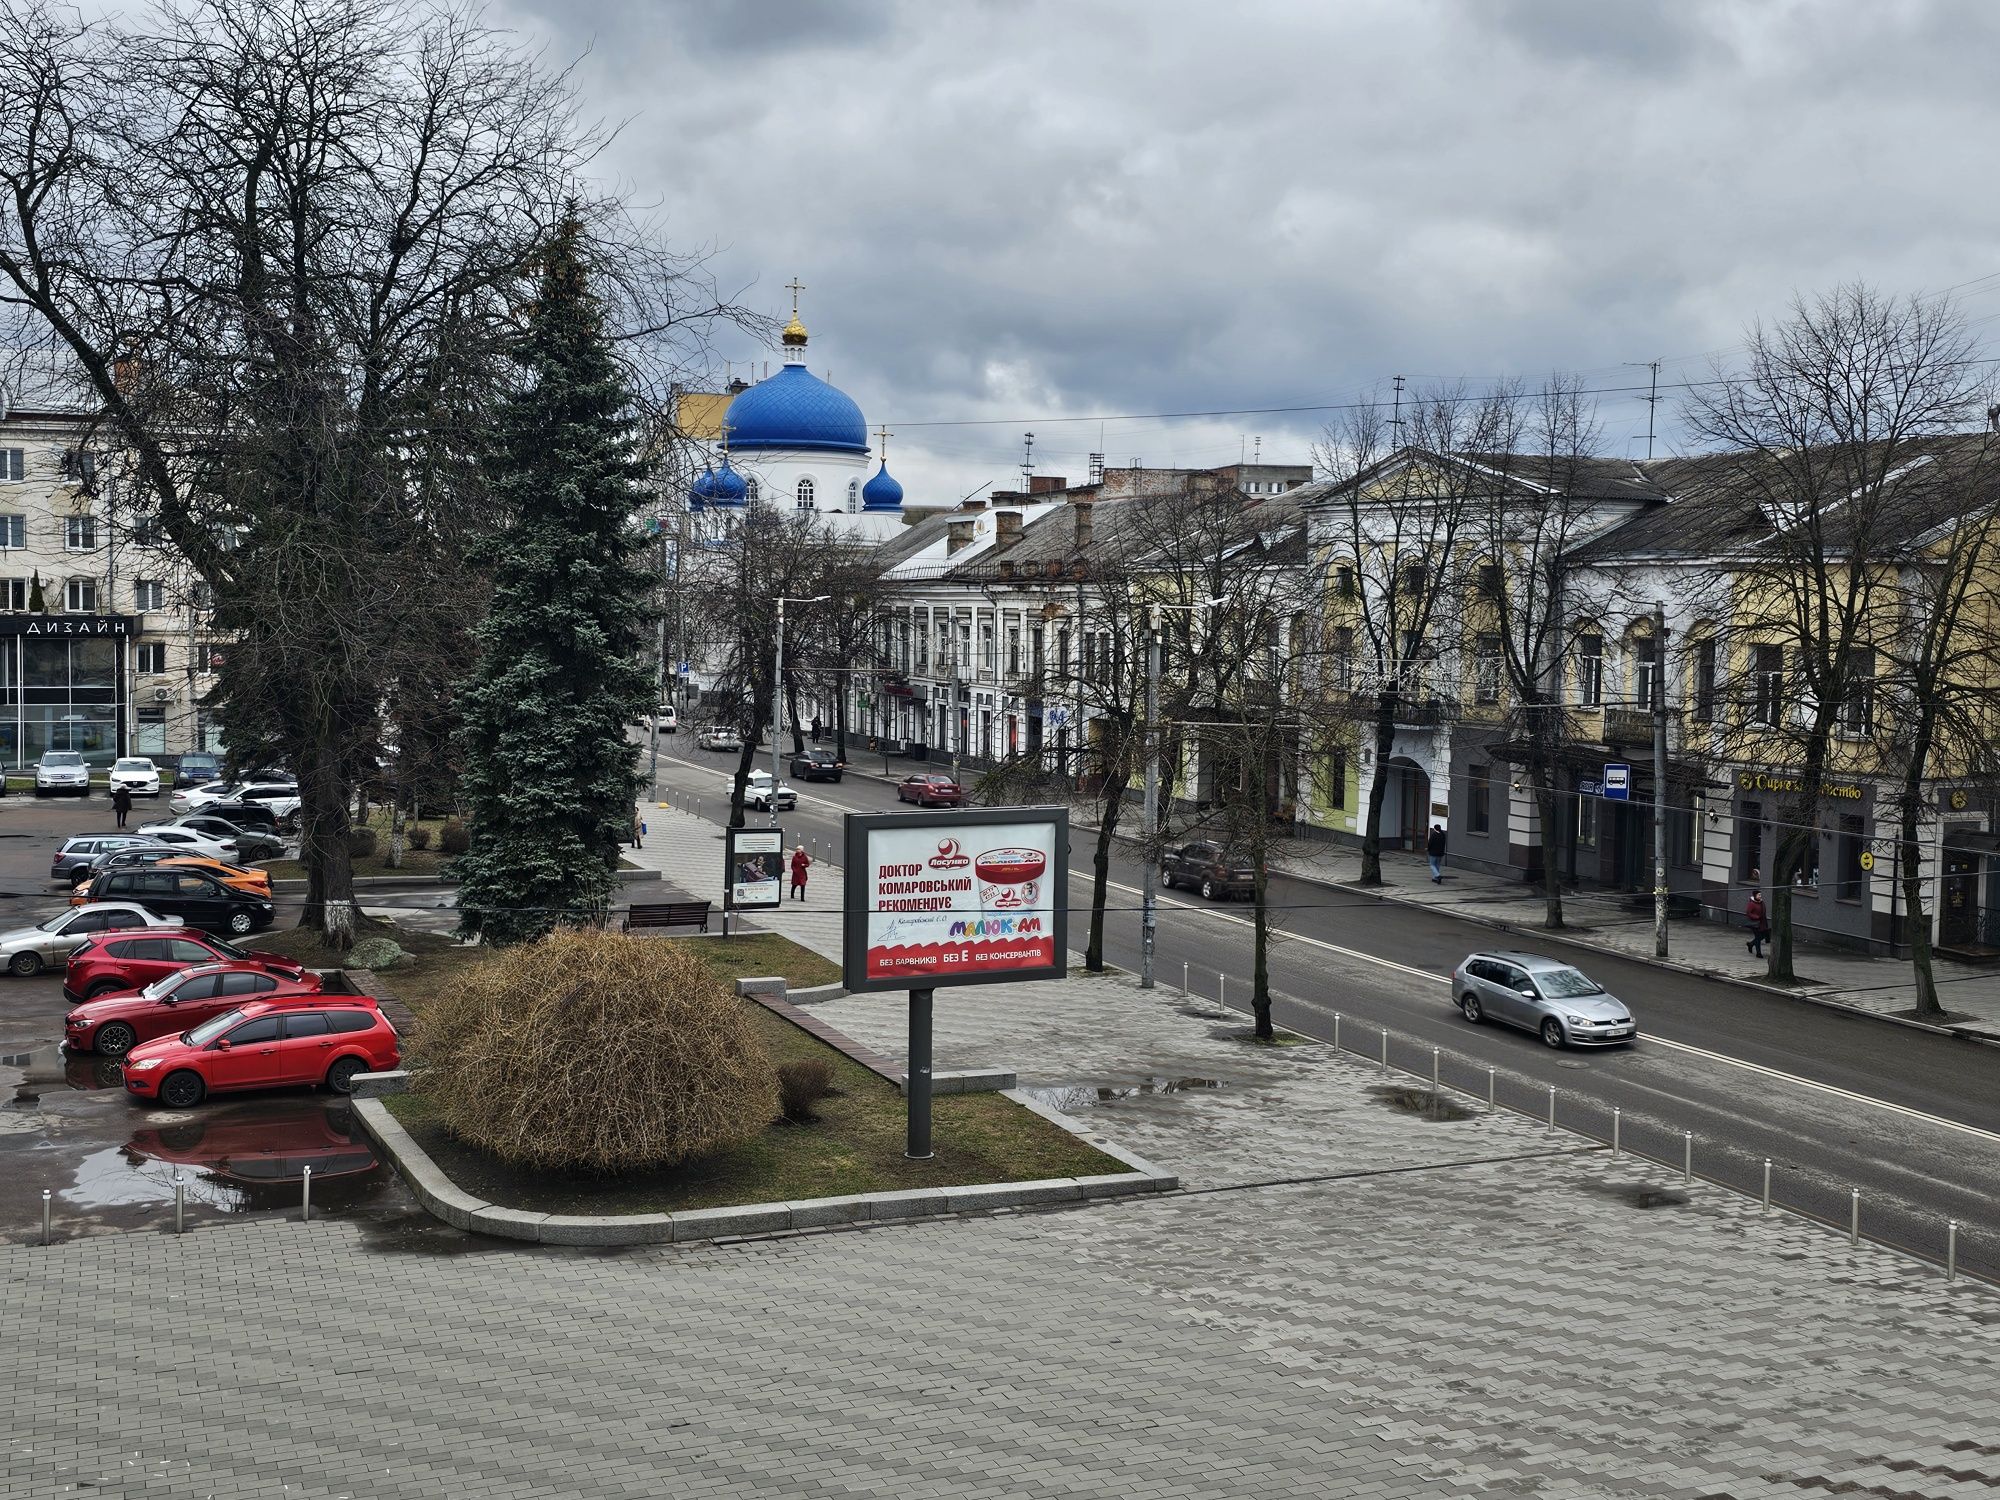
(667, 914)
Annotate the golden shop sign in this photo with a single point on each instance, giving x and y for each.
(1771, 781)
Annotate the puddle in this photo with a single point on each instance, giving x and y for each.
(234, 1159)
(1639, 1194)
(1085, 1096)
(1412, 1099)
(50, 1069)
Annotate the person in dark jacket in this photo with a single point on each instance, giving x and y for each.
(1434, 847)
(1760, 923)
(121, 804)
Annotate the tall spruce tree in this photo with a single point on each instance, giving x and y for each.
(549, 773)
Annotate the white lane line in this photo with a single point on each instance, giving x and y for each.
(1650, 1038)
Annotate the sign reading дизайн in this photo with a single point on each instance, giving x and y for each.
(956, 897)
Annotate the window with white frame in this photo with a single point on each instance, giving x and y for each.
(853, 495)
(1589, 670)
(80, 596)
(805, 494)
(751, 492)
(13, 531)
(149, 593)
(1486, 669)
(153, 656)
(14, 595)
(79, 533)
(13, 465)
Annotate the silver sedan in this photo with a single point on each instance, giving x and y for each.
(29, 950)
(1557, 1001)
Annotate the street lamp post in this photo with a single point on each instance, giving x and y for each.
(778, 696)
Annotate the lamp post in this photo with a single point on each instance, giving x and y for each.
(778, 695)
(1149, 885)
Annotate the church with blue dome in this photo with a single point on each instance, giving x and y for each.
(796, 442)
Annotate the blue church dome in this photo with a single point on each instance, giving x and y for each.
(702, 491)
(796, 409)
(882, 492)
(730, 487)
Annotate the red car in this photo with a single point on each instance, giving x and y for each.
(265, 1045)
(132, 960)
(114, 1024)
(928, 791)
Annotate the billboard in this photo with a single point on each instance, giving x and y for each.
(957, 896)
(755, 876)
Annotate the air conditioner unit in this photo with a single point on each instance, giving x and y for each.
(163, 695)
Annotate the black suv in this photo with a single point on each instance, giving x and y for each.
(1209, 869)
(817, 765)
(196, 898)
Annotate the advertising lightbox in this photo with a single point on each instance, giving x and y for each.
(756, 874)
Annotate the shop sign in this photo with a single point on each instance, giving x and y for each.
(1774, 781)
(66, 625)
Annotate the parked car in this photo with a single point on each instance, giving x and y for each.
(115, 1023)
(251, 844)
(256, 882)
(663, 719)
(719, 737)
(1208, 868)
(135, 774)
(84, 852)
(282, 797)
(818, 765)
(197, 898)
(757, 792)
(141, 857)
(262, 1045)
(197, 766)
(62, 773)
(189, 796)
(118, 962)
(189, 841)
(253, 815)
(1557, 1001)
(928, 789)
(28, 950)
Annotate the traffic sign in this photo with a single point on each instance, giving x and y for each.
(1618, 782)
(685, 670)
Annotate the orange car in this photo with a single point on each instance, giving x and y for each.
(257, 882)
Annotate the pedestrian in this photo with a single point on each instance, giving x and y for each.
(1434, 847)
(121, 803)
(638, 831)
(1760, 923)
(800, 862)
(816, 728)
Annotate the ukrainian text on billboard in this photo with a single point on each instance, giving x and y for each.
(943, 905)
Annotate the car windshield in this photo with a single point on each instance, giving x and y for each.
(133, 765)
(212, 1028)
(163, 986)
(62, 758)
(1567, 984)
(55, 922)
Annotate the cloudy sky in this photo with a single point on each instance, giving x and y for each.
(1069, 216)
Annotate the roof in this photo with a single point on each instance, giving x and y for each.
(795, 409)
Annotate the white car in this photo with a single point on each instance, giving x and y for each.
(191, 798)
(28, 950)
(137, 775)
(666, 720)
(757, 792)
(62, 773)
(187, 839)
(282, 797)
(720, 737)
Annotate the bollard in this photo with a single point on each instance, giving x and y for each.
(1491, 1076)
(1437, 1095)
(1687, 1157)
(1222, 989)
(1767, 1184)
(306, 1198)
(1950, 1247)
(1614, 1133)
(1336, 1031)
(48, 1213)
(1552, 1107)
(180, 1204)
(1385, 1052)
(1184, 978)
(1854, 1216)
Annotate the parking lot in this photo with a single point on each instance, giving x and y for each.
(65, 1123)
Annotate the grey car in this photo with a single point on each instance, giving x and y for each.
(85, 850)
(1557, 1001)
(29, 950)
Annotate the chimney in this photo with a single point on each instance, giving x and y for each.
(1084, 526)
(1007, 529)
(958, 534)
(971, 506)
(1046, 484)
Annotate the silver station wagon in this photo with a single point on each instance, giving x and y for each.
(1557, 1001)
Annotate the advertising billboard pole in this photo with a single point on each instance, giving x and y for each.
(917, 1087)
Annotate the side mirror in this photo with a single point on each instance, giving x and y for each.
(223, 1045)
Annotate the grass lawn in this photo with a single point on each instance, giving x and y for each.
(748, 955)
(415, 862)
(856, 1146)
(432, 955)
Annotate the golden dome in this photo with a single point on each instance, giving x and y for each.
(795, 331)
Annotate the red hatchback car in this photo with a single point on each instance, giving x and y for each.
(132, 960)
(265, 1045)
(928, 791)
(116, 1023)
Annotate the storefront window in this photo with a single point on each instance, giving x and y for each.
(1851, 845)
(1586, 821)
(67, 698)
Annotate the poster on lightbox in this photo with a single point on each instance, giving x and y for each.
(756, 872)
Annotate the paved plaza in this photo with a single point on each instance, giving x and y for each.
(1349, 1298)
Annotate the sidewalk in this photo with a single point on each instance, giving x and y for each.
(1602, 921)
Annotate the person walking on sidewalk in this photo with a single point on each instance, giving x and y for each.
(800, 862)
(121, 804)
(638, 831)
(1760, 923)
(1434, 847)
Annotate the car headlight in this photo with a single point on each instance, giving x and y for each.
(144, 1065)
(74, 1024)
(1580, 1021)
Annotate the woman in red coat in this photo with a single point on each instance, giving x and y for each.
(799, 864)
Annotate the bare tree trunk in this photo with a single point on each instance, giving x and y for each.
(792, 709)
(1547, 808)
(323, 849)
(1112, 803)
(396, 834)
(1911, 873)
(1378, 787)
(1260, 975)
(746, 759)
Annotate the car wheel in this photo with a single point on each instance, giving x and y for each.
(240, 921)
(115, 1039)
(182, 1090)
(27, 965)
(340, 1077)
(1552, 1032)
(1208, 890)
(103, 987)
(1166, 878)
(1469, 1003)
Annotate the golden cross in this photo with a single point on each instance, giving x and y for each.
(882, 436)
(796, 286)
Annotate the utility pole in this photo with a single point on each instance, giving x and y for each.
(659, 685)
(1150, 879)
(957, 725)
(1660, 780)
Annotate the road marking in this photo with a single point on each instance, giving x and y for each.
(1650, 1037)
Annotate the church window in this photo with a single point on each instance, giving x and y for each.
(750, 491)
(853, 495)
(805, 494)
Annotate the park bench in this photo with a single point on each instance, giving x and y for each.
(667, 914)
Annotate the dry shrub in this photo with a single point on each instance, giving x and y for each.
(801, 1085)
(419, 836)
(593, 1050)
(454, 837)
(361, 843)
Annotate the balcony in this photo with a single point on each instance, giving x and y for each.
(1415, 710)
(1628, 726)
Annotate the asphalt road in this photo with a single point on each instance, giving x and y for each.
(1836, 1102)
